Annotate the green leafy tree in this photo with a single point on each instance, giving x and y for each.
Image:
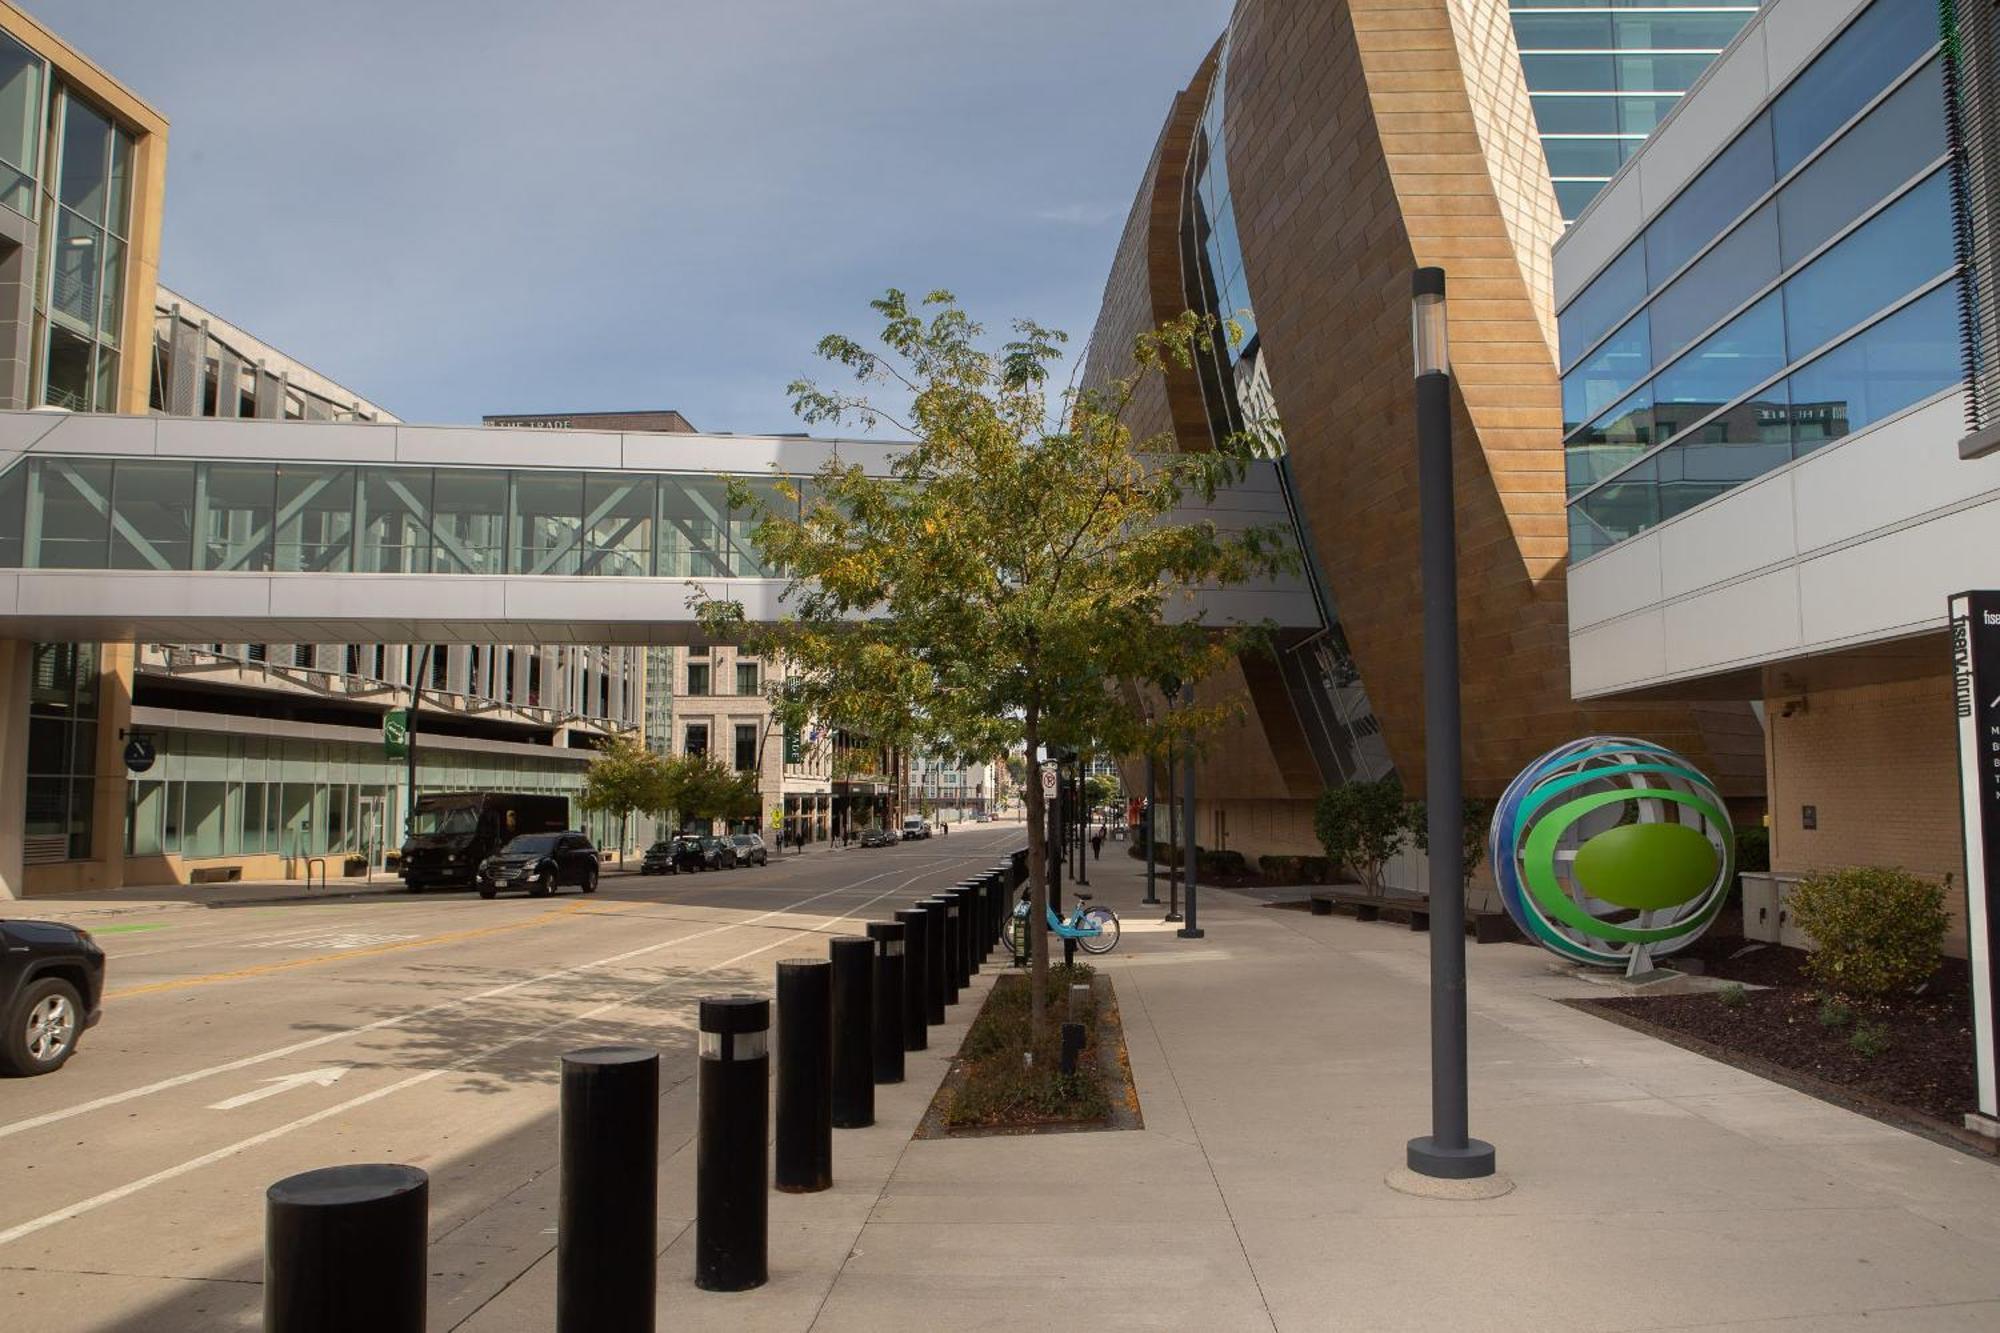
(1363, 825)
(702, 787)
(624, 776)
(1477, 818)
(1100, 789)
(1018, 561)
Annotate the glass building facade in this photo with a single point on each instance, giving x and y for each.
(1802, 286)
(1321, 678)
(1604, 73)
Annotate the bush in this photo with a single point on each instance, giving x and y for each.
(1733, 996)
(1869, 1040)
(1878, 930)
(1221, 863)
(1363, 825)
(1753, 849)
(1315, 870)
(1833, 1013)
(1282, 869)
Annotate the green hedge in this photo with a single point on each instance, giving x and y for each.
(1879, 931)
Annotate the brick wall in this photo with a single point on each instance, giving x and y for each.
(1879, 765)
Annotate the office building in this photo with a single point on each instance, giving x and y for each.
(1764, 391)
(1318, 155)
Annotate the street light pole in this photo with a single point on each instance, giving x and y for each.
(1189, 858)
(1448, 1152)
(1152, 897)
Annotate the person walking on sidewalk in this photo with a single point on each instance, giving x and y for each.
(1097, 844)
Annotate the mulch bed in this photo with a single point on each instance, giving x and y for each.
(989, 1090)
(1920, 1072)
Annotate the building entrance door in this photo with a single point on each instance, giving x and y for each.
(374, 828)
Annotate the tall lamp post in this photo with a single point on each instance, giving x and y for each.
(1447, 1152)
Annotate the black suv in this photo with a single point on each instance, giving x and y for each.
(51, 989)
(540, 863)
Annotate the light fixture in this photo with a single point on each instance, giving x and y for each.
(1427, 325)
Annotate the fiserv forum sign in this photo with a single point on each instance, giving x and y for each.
(1975, 657)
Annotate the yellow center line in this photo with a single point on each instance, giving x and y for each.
(286, 965)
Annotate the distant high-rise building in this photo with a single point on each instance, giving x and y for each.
(1603, 73)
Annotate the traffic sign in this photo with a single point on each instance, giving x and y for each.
(1050, 777)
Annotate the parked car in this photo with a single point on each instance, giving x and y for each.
(715, 853)
(877, 837)
(669, 856)
(750, 849)
(51, 989)
(914, 828)
(541, 863)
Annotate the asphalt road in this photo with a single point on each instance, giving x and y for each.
(241, 1045)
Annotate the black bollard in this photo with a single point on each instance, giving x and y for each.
(1072, 1046)
(344, 1248)
(805, 1075)
(889, 1002)
(937, 982)
(731, 1208)
(606, 1264)
(916, 985)
(948, 953)
(969, 916)
(853, 1031)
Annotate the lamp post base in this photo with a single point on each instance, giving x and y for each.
(1191, 933)
(1171, 916)
(1428, 1157)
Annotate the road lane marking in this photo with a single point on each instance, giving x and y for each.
(325, 1078)
(393, 1020)
(339, 953)
(127, 1190)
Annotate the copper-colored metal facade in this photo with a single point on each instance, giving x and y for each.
(1366, 138)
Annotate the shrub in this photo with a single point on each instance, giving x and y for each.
(1362, 825)
(1878, 930)
(1733, 996)
(1476, 820)
(1869, 1040)
(1221, 863)
(1315, 870)
(1283, 869)
(1833, 1013)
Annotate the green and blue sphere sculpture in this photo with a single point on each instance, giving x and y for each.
(1611, 847)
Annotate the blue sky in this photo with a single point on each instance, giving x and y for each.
(458, 207)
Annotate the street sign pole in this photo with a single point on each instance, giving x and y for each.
(1975, 657)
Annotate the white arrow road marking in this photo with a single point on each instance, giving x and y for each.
(326, 1078)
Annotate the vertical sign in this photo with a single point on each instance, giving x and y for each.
(1975, 657)
(396, 733)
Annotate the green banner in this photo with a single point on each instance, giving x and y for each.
(396, 733)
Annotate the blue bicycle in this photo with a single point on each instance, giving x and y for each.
(1095, 929)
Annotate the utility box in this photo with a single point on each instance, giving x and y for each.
(1767, 912)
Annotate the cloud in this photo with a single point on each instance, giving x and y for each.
(1081, 215)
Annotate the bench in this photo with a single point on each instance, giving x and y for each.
(1488, 926)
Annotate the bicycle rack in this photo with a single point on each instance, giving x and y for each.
(312, 861)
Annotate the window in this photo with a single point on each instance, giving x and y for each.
(695, 738)
(698, 677)
(84, 230)
(1899, 137)
(315, 526)
(1893, 254)
(618, 515)
(1617, 364)
(1902, 360)
(468, 520)
(746, 747)
(1743, 262)
(1711, 201)
(21, 77)
(1611, 441)
(236, 516)
(746, 678)
(1610, 296)
(395, 527)
(153, 505)
(1881, 43)
(62, 747)
(1744, 351)
(548, 522)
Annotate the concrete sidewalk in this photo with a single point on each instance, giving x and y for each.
(1281, 1065)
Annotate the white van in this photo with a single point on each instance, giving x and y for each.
(914, 828)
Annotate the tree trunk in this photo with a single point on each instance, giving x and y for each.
(1038, 884)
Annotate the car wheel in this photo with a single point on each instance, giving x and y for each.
(43, 1028)
(487, 893)
(590, 880)
(545, 885)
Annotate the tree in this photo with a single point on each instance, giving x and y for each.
(1363, 825)
(623, 777)
(700, 786)
(1016, 562)
(1100, 790)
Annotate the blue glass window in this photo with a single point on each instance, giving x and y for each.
(1902, 134)
(1893, 254)
(1610, 297)
(1607, 114)
(1739, 265)
(1876, 47)
(1713, 200)
(1743, 352)
(1903, 360)
(1614, 511)
(1562, 32)
(1604, 377)
(1610, 442)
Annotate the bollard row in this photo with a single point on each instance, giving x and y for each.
(846, 1023)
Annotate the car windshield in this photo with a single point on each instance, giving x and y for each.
(711, 842)
(530, 844)
(448, 819)
(745, 840)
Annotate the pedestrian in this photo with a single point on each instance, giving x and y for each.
(1097, 844)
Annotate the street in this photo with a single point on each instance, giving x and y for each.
(241, 1045)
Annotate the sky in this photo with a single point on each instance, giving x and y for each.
(458, 207)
